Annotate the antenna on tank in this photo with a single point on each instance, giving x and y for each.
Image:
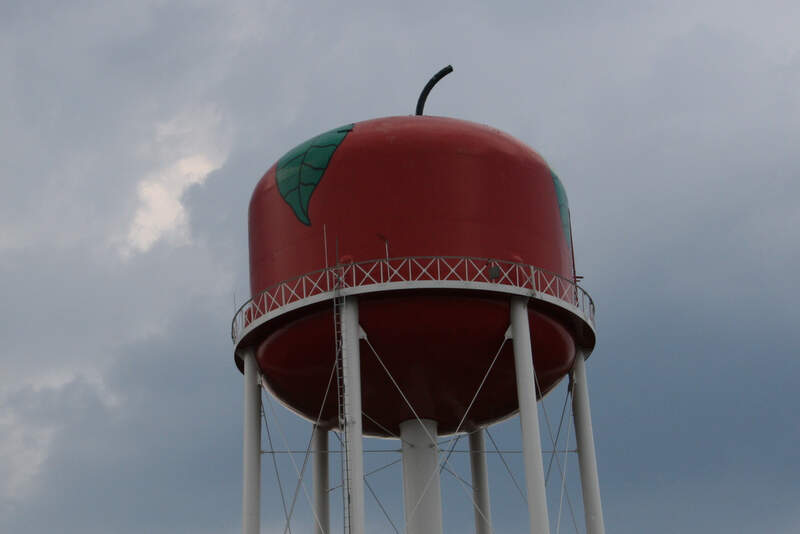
(325, 244)
(385, 244)
(433, 81)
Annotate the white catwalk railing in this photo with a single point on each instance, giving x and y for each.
(408, 273)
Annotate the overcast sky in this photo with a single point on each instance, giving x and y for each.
(132, 134)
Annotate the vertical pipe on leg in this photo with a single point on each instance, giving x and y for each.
(422, 491)
(480, 483)
(528, 416)
(321, 482)
(351, 370)
(590, 484)
(251, 451)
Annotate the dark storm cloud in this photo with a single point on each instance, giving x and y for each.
(674, 131)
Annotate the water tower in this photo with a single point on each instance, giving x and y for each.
(442, 249)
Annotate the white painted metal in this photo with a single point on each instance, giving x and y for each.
(480, 483)
(351, 370)
(422, 492)
(251, 453)
(584, 436)
(518, 281)
(321, 481)
(412, 273)
(528, 416)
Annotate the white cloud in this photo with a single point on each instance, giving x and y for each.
(23, 448)
(188, 148)
(27, 429)
(160, 212)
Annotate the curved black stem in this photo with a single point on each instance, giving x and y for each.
(433, 81)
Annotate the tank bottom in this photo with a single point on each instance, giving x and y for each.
(438, 349)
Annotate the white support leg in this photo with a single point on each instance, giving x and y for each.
(528, 416)
(422, 492)
(584, 437)
(351, 370)
(480, 483)
(251, 457)
(321, 482)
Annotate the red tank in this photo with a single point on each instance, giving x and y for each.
(409, 187)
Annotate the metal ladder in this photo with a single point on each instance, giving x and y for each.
(338, 305)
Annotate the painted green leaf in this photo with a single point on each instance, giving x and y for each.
(563, 208)
(300, 170)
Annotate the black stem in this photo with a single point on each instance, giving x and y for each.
(433, 81)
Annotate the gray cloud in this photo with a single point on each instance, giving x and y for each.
(674, 130)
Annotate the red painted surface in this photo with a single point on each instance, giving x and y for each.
(431, 186)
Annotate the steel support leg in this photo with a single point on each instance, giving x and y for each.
(584, 436)
(528, 416)
(480, 483)
(422, 492)
(351, 370)
(321, 482)
(251, 457)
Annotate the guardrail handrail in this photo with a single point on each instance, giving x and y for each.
(412, 269)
